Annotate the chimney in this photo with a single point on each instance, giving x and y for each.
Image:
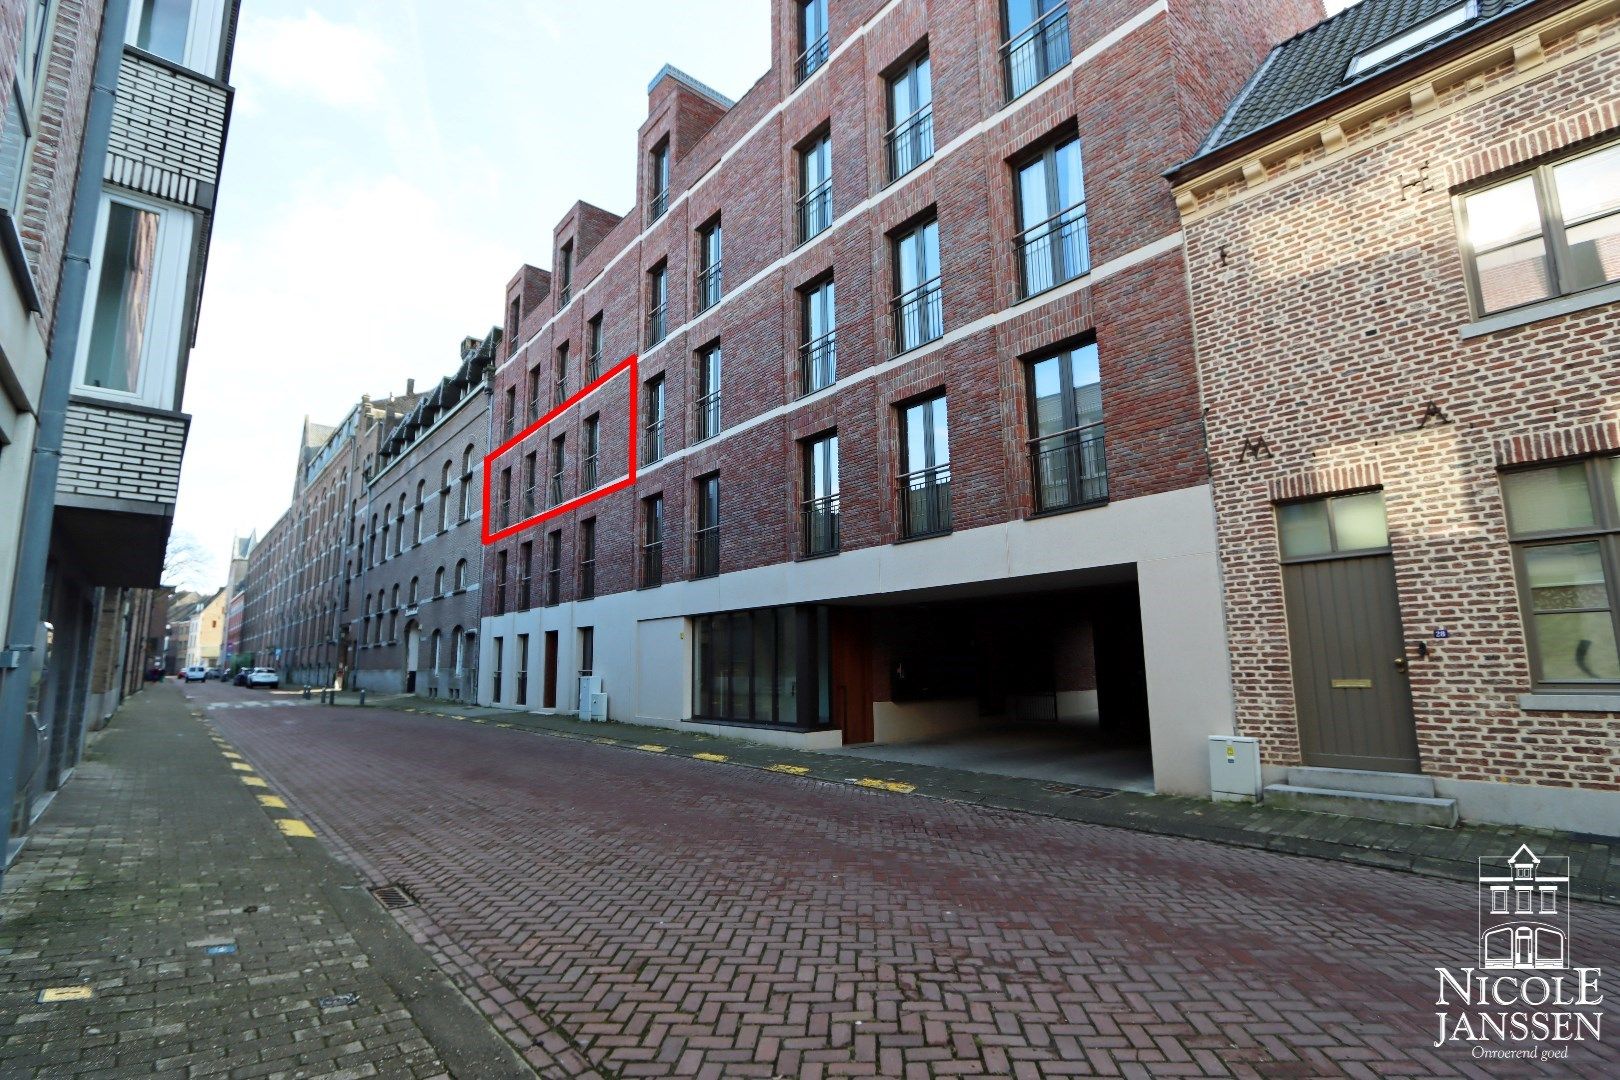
(410, 387)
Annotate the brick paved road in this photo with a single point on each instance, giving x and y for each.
(640, 915)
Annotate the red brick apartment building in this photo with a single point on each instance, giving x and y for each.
(919, 426)
(1404, 249)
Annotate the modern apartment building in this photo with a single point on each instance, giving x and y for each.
(917, 432)
(1403, 242)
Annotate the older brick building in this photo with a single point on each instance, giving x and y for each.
(1404, 249)
(918, 421)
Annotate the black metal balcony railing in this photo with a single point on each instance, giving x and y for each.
(910, 142)
(815, 211)
(559, 392)
(810, 61)
(587, 476)
(1069, 468)
(528, 501)
(587, 579)
(652, 564)
(819, 519)
(706, 552)
(708, 415)
(564, 296)
(660, 203)
(1033, 55)
(554, 490)
(708, 286)
(652, 443)
(925, 502)
(1054, 251)
(918, 316)
(554, 586)
(818, 363)
(593, 367)
(655, 325)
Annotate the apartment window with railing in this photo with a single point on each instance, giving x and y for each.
(1037, 44)
(813, 40)
(587, 460)
(708, 386)
(530, 467)
(818, 526)
(652, 442)
(925, 469)
(525, 575)
(505, 505)
(534, 395)
(658, 180)
(587, 558)
(554, 492)
(818, 347)
(559, 380)
(910, 139)
(500, 582)
(593, 356)
(1052, 241)
(513, 313)
(652, 541)
(916, 309)
(554, 568)
(657, 303)
(815, 206)
(706, 534)
(509, 425)
(709, 280)
(566, 274)
(1068, 467)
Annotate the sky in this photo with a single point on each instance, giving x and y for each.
(390, 165)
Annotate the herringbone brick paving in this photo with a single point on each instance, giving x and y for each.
(636, 915)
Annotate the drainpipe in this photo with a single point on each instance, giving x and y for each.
(40, 504)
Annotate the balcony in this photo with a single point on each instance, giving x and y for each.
(918, 316)
(708, 286)
(1055, 251)
(815, 211)
(1069, 469)
(652, 565)
(811, 60)
(708, 416)
(565, 296)
(925, 502)
(652, 443)
(818, 363)
(655, 325)
(593, 367)
(706, 552)
(660, 203)
(819, 526)
(1036, 53)
(910, 142)
(587, 473)
(554, 490)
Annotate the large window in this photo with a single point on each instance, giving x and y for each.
(500, 582)
(706, 536)
(767, 666)
(530, 468)
(652, 444)
(812, 38)
(162, 26)
(815, 187)
(466, 485)
(554, 567)
(1338, 525)
(587, 461)
(534, 394)
(1565, 524)
(917, 311)
(559, 382)
(1067, 464)
(658, 180)
(1545, 233)
(657, 303)
(819, 513)
(22, 103)
(522, 670)
(554, 491)
(505, 506)
(525, 575)
(925, 469)
(587, 558)
(708, 386)
(818, 351)
(1052, 241)
(510, 426)
(593, 357)
(566, 273)
(123, 299)
(1037, 43)
(910, 139)
(709, 268)
(652, 541)
(497, 657)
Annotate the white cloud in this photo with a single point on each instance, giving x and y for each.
(335, 64)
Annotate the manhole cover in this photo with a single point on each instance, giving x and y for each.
(1080, 792)
(393, 896)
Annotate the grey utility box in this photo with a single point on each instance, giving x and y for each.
(1234, 768)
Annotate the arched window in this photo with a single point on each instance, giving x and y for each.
(461, 574)
(466, 483)
(438, 582)
(421, 496)
(444, 497)
(394, 598)
(455, 650)
(412, 601)
(435, 643)
(399, 532)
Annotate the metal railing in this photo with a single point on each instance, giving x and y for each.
(564, 296)
(655, 325)
(910, 142)
(810, 61)
(1054, 251)
(593, 367)
(708, 415)
(660, 203)
(925, 502)
(706, 552)
(587, 470)
(818, 363)
(652, 564)
(652, 443)
(554, 490)
(708, 286)
(528, 501)
(587, 579)
(815, 211)
(918, 316)
(559, 391)
(819, 525)
(1069, 468)
(1035, 53)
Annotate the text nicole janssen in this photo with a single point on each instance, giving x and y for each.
(1519, 1007)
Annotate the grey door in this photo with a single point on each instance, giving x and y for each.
(1351, 690)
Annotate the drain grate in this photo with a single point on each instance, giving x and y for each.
(1080, 792)
(393, 896)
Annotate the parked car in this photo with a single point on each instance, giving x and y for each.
(264, 676)
(242, 676)
(196, 673)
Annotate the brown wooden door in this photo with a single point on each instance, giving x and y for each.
(850, 671)
(548, 697)
(1348, 650)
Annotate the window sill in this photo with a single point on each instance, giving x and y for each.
(1571, 701)
(1544, 309)
(923, 536)
(1070, 509)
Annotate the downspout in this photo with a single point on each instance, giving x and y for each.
(39, 506)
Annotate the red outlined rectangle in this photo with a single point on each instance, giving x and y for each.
(630, 364)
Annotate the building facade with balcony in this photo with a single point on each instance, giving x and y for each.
(917, 435)
(1404, 253)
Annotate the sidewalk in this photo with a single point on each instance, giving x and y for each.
(195, 927)
(1444, 853)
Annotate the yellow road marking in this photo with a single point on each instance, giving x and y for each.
(241, 766)
(273, 802)
(294, 827)
(503, 725)
(652, 748)
(887, 785)
(253, 781)
(65, 993)
(710, 757)
(606, 742)
(795, 770)
(232, 757)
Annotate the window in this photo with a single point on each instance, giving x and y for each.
(1546, 233)
(1565, 528)
(162, 26)
(815, 207)
(496, 657)
(1052, 242)
(767, 666)
(525, 575)
(708, 383)
(534, 394)
(505, 516)
(652, 541)
(916, 308)
(444, 497)
(513, 312)
(1405, 42)
(1499, 899)
(461, 575)
(1549, 899)
(818, 353)
(587, 558)
(529, 481)
(412, 596)
(559, 384)
(522, 670)
(1067, 464)
(1522, 896)
(587, 463)
(388, 514)
(1338, 525)
(510, 424)
(566, 272)
(466, 484)
(819, 527)
(421, 500)
(21, 120)
(1037, 43)
(554, 567)
(593, 358)
(657, 303)
(438, 582)
(554, 493)
(587, 649)
(500, 582)
(910, 139)
(122, 300)
(658, 179)
(653, 444)
(706, 538)
(925, 469)
(812, 38)
(708, 278)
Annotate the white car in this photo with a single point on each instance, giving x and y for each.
(196, 673)
(264, 676)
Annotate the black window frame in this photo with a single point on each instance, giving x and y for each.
(706, 526)
(814, 39)
(653, 409)
(707, 418)
(932, 478)
(819, 515)
(1072, 448)
(652, 541)
(915, 131)
(818, 356)
(710, 282)
(1038, 51)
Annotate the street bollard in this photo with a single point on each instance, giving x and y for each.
(362, 697)
(306, 693)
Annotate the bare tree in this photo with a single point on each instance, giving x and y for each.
(187, 564)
